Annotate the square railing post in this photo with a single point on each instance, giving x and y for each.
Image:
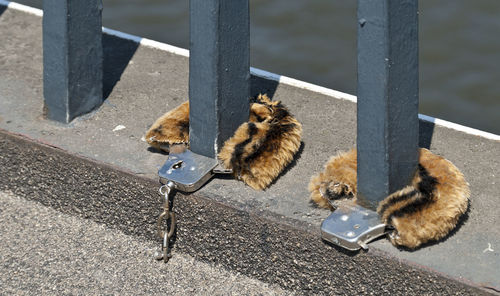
(219, 72)
(72, 57)
(387, 134)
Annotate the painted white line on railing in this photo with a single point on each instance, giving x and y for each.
(261, 73)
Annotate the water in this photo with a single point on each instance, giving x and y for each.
(315, 41)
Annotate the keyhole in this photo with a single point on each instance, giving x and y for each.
(177, 165)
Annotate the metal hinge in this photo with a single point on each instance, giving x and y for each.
(352, 227)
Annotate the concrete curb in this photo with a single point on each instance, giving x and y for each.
(273, 252)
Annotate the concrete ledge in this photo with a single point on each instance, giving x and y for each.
(277, 253)
(89, 169)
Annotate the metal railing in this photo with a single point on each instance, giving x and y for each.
(72, 57)
(387, 133)
(219, 72)
(219, 79)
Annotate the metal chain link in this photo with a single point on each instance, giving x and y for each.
(167, 191)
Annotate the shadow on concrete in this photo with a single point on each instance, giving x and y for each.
(296, 158)
(156, 150)
(117, 53)
(2, 9)
(259, 85)
(426, 130)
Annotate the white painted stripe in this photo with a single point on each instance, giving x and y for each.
(21, 7)
(302, 84)
(264, 74)
(458, 127)
(147, 42)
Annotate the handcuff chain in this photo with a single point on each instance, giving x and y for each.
(167, 191)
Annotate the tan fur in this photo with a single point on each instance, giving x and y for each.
(339, 176)
(433, 221)
(171, 128)
(437, 219)
(276, 152)
(267, 155)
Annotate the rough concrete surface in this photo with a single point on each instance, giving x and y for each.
(267, 247)
(140, 84)
(46, 252)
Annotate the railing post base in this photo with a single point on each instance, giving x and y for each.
(72, 57)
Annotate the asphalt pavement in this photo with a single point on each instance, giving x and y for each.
(46, 252)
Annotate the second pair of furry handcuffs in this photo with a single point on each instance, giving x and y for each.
(425, 210)
(258, 151)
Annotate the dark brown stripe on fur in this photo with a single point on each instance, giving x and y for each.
(158, 129)
(395, 200)
(411, 208)
(275, 131)
(425, 187)
(270, 140)
(428, 183)
(259, 119)
(240, 148)
(184, 128)
(280, 113)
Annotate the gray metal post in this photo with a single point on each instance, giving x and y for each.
(219, 72)
(387, 135)
(72, 57)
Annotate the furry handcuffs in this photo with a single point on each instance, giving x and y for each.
(425, 210)
(258, 151)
